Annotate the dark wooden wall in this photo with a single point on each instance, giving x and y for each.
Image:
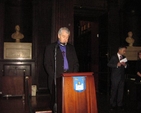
(62, 15)
(35, 20)
(40, 20)
(2, 10)
(41, 31)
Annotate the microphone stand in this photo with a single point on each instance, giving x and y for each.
(55, 66)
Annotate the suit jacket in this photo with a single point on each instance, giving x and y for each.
(49, 60)
(117, 72)
(138, 69)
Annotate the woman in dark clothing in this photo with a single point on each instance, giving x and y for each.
(138, 79)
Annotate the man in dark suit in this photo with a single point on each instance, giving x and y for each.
(66, 58)
(117, 78)
(60, 57)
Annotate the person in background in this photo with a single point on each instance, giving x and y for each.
(137, 81)
(117, 78)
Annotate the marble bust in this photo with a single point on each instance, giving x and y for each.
(17, 35)
(130, 39)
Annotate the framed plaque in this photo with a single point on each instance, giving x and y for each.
(17, 51)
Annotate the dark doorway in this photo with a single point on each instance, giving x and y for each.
(91, 44)
(82, 44)
(86, 43)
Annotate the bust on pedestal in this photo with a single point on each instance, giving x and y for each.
(17, 35)
(132, 51)
(17, 51)
(129, 39)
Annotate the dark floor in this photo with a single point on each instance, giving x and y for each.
(41, 103)
(129, 104)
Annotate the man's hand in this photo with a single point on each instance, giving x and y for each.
(123, 63)
(118, 64)
(139, 74)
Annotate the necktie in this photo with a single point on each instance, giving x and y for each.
(65, 60)
(63, 50)
(120, 57)
(63, 53)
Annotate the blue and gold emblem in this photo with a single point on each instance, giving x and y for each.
(79, 83)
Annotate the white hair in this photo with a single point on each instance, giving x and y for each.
(64, 28)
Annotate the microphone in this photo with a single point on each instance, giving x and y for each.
(55, 74)
(55, 53)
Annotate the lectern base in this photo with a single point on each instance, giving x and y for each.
(70, 100)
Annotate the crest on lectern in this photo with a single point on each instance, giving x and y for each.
(79, 83)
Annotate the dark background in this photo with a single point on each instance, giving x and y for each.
(97, 28)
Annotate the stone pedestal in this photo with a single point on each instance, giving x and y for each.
(132, 52)
(17, 51)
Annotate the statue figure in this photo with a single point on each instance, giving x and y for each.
(129, 39)
(17, 35)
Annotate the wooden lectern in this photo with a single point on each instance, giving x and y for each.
(71, 101)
